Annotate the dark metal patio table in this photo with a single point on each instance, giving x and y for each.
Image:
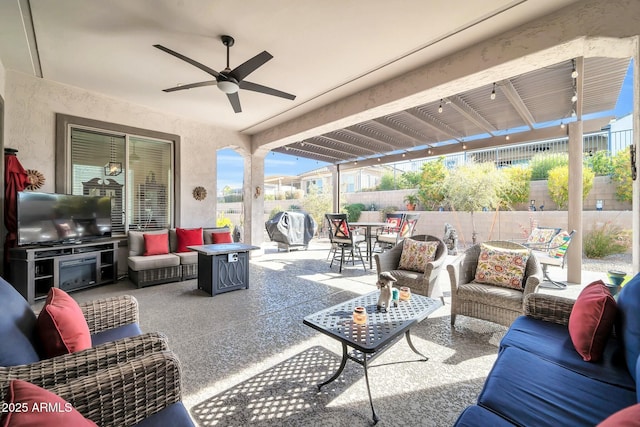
(380, 332)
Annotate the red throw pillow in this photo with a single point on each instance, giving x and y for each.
(61, 325)
(30, 406)
(188, 238)
(628, 417)
(156, 244)
(221, 237)
(591, 321)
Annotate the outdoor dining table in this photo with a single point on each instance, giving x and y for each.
(368, 225)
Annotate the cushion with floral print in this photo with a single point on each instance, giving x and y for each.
(501, 267)
(541, 236)
(559, 244)
(416, 255)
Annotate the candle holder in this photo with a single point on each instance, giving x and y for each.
(359, 315)
(405, 293)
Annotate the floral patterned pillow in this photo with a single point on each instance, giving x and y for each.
(416, 255)
(501, 267)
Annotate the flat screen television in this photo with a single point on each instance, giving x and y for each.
(45, 218)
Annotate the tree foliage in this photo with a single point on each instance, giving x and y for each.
(541, 164)
(599, 162)
(475, 186)
(431, 190)
(622, 176)
(317, 203)
(412, 179)
(389, 182)
(558, 184)
(517, 185)
(405, 180)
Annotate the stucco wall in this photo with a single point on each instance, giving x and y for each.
(30, 107)
(506, 225)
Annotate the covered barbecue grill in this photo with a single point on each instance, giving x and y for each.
(291, 229)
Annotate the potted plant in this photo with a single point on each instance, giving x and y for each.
(412, 201)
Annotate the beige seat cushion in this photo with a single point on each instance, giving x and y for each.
(490, 295)
(139, 263)
(413, 279)
(388, 237)
(187, 258)
(544, 258)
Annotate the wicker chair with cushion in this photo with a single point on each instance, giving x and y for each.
(143, 392)
(554, 254)
(114, 337)
(418, 273)
(490, 280)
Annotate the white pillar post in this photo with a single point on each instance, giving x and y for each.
(574, 253)
(253, 195)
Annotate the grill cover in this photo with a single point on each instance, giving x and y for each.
(291, 228)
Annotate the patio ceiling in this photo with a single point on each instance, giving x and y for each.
(527, 107)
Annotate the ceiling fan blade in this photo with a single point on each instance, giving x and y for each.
(264, 89)
(203, 67)
(248, 67)
(191, 86)
(234, 99)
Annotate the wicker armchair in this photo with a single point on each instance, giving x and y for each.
(144, 388)
(112, 323)
(421, 283)
(488, 302)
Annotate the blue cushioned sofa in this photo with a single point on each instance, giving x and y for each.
(539, 379)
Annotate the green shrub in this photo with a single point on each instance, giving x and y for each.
(599, 162)
(605, 240)
(274, 211)
(558, 184)
(541, 164)
(223, 221)
(622, 176)
(353, 211)
(431, 189)
(518, 183)
(387, 210)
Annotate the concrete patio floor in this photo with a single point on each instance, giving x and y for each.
(247, 359)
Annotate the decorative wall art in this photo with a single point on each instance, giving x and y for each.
(36, 179)
(199, 193)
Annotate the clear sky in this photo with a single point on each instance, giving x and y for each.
(230, 164)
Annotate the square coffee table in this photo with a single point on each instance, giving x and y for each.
(370, 340)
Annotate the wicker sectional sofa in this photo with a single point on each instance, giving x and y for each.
(171, 267)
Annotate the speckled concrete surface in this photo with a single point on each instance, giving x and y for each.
(248, 360)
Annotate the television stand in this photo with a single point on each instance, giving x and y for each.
(33, 270)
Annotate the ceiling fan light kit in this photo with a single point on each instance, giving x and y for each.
(228, 86)
(230, 81)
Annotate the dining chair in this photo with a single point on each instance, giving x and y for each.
(390, 238)
(344, 239)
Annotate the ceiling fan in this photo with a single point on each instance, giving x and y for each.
(229, 81)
